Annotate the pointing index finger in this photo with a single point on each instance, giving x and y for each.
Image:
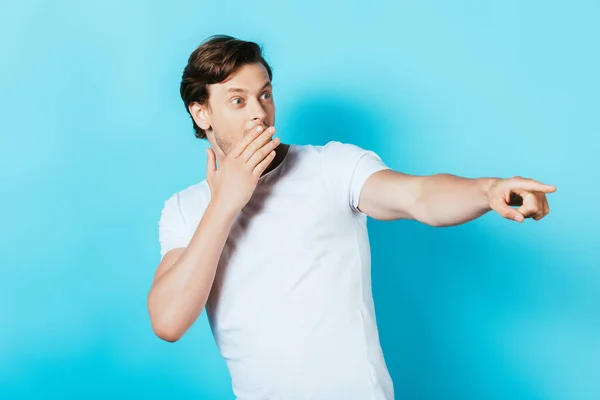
(531, 185)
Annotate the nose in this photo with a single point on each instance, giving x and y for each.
(259, 114)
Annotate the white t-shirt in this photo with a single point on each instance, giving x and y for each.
(291, 307)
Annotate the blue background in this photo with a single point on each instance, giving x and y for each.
(94, 139)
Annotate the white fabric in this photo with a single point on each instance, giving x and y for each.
(291, 307)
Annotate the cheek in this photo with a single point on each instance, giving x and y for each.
(223, 121)
(270, 110)
(231, 126)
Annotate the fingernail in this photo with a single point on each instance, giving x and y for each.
(518, 218)
(259, 129)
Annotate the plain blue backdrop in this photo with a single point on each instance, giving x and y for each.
(94, 139)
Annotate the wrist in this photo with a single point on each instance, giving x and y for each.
(487, 184)
(222, 209)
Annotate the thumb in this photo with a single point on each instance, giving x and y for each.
(211, 164)
(508, 212)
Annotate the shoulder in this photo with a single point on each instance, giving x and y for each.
(191, 197)
(331, 150)
(335, 145)
(340, 155)
(198, 191)
(341, 150)
(324, 156)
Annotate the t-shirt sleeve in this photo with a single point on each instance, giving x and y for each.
(171, 227)
(348, 167)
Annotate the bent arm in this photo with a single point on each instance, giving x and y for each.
(184, 277)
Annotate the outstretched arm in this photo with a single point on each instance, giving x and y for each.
(446, 200)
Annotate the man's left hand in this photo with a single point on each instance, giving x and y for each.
(530, 195)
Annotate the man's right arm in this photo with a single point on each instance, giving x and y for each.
(184, 277)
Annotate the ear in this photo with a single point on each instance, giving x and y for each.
(200, 115)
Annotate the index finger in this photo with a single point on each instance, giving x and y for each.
(531, 185)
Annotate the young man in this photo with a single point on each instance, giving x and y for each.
(274, 241)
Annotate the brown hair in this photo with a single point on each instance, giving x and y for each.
(212, 62)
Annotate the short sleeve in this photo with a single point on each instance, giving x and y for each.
(348, 167)
(171, 227)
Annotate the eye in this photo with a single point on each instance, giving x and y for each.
(267, 96)
(237, 101)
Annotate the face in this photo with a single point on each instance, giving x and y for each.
(235, 106)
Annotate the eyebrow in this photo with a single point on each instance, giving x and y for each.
(239, 90)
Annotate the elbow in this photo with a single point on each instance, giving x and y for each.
(167, 335)
(163, 324)
(421, 212)
(437, 224)
(166, 331)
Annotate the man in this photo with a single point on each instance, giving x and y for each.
(274, 241)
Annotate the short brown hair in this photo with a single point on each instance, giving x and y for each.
(212, 62)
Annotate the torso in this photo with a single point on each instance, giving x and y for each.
(291, 306)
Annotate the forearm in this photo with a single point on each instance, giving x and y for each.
(447, 200)
(179, 295)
